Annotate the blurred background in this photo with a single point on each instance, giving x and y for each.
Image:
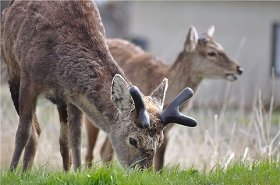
(247, 31)
(234, 117)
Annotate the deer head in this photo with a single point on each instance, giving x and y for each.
(208, 56)
(138, 130)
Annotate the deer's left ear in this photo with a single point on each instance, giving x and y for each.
(158, 95)
(120, 95)
(192, 39)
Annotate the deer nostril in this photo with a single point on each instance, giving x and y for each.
(150, 151)
(239, 70)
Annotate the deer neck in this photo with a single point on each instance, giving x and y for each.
(87, 85)
(103, 114)
(182, 74)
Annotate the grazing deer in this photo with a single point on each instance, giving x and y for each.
(57, 49)
(202, 57)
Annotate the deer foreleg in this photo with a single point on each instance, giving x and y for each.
(75, 132)
(63, 137)
(159, 156)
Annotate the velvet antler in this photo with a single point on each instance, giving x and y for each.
(142, 114)
(171, 113)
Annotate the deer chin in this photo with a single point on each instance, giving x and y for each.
(231, 77)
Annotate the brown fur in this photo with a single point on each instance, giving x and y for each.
(191, 66)
(57, 49)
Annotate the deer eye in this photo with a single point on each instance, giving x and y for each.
(133, 142)
(152, 132)
(212, 54)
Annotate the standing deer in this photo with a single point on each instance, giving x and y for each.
(57, 49)
(202, 57)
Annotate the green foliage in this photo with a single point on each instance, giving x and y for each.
(239, 173)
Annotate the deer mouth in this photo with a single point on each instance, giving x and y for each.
(143, 163)
(231, 77)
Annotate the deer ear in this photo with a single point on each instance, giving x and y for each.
(120, 95)
(158, 95)
(191, 40)
(210, 31)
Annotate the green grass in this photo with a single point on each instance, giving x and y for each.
(239, 173)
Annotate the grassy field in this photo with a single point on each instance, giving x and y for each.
(225, 148)
(264, 172)
(221, 137)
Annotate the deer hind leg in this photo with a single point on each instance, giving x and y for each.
(14, 89)
(31, 147)
(92, 133)
(107, 151)
(75, 133)
(63, 137)
(26, 108)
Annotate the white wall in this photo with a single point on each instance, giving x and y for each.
(239, 25)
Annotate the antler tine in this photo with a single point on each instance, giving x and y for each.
(142, 114)
(171, 113)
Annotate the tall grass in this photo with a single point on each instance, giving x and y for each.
(221, 137)
(227, 135)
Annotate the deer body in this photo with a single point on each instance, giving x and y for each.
(57, 49)
(200, 58)
(189, 69)
(60, 63)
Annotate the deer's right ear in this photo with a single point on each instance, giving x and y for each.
(191, 41)
(210, 31)
(120, 95)
(158, 95)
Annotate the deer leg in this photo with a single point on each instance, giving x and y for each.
(63, 137)
(75, 133)
(107, 151)
(31, 147)
(92, 133)
(14, 89)
(27, 103)
(159, 156)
